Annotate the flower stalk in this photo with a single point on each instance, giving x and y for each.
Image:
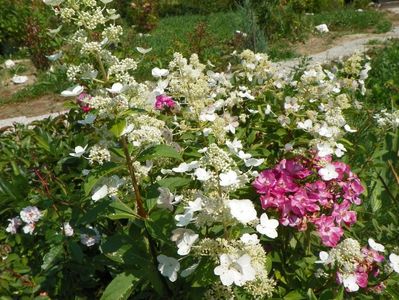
(139, 202)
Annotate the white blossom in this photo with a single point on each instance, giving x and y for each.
(376, 246)
(186, 167)
(143, 50)
(79, 151)
(91, 239)
(68, 230)
(29, 228)
(168, 267)
(116, 88)
(235, 270)
(394, 262)
(73, 91)
(100, 193)
(202, 174)
(350, 283)
(184, 238)
(324, 258)
(228, 179)
(249, 239)
(267, 226)
(165, 198)
(30, 214)
(328, 172)
(158, 73)
(13, 225)
(242, 210)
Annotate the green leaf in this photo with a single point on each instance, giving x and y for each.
(120, 287)
(100, 208)
(172, 183)
(160, 224)
(340, 295)
(120, 210)
(311, 295)
(106, 170)
(51, 256)
(294, 295)
(76, 251)
(159, 151)
(118, 128)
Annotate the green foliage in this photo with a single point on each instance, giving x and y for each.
(182, 7)
(179, 34)
(23, 23)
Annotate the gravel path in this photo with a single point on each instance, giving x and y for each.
(345, 49)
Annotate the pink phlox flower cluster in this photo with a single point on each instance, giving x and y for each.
(301, 195)
(82, 100)
(163, 101)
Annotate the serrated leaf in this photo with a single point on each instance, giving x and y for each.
(120, 287)
(159, 151)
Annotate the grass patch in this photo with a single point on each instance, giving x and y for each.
(351, 20)
(211, 36)
(383, 80)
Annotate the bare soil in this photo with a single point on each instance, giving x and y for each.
(40, 106)
(30, 107)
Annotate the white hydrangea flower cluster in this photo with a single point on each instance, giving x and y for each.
(99, 154)
(346, 255)
(187, 79)
(241, 263)
(146, 131)
(112, 33)
(255, 66)
(319, 104)
(387, 120)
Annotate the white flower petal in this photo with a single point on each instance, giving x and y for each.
(73, 91)
(100, 193)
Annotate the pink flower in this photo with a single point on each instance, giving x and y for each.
(163, 101)
(362, 279)
(296, 189)
(318, 191)
(372, 255)
(82, 100)
(86, 108)
(330, 234)
(342, 214)
(265, 181)
(294, 169)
